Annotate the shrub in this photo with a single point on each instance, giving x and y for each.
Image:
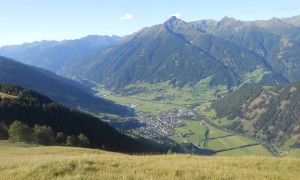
(19, 132)
(83, 141)
(43, 135)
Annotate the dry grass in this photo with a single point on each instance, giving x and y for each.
(18, 162)
(3, 95)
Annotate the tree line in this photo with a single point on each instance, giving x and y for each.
(44, 135)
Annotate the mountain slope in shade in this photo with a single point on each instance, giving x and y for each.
(31, 108)
(184, 53)
(56, 55)
(269, 114)
(57, 88)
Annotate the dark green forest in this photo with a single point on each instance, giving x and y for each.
(34, 109)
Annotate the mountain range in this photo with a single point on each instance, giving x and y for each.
(230, 50)
(56, 55)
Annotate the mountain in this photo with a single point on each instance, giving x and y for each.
(56, 55)
(31, 108)
(231, 51)
(60, 89)
(279, 51)
(271, 114)
(292, 20)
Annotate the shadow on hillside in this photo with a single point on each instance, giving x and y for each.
(239, 147)
(221, 137)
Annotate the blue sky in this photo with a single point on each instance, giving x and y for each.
(35, 20)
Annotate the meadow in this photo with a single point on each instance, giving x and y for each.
(22, 161)
(222, 142)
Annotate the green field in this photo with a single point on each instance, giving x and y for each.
(142, 104)
(21, 161)
(153, 97)
(294, 153)
(224, 143)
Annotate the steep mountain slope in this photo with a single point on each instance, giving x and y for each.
(278, 51)
(57, 88)
(281, 28)
(183, 53)
(157, 58)
(32, 109)
(56, 55)
(269, 114)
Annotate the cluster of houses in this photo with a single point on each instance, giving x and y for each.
(162, 125)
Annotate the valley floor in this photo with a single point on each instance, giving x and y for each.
(23, 161)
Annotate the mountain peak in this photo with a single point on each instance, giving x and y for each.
(174, 22)
(274, 19)
(229, 21)
(172, 19)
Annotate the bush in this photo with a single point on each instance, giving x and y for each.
(71, 140)
(44, 135)
(60, 138)
(83, 141)
(19, 132)
(170, 151)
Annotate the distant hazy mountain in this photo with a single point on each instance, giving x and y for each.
(56, 55)
(292, 20)
(57, 88)
(229, 50)
(269, 114)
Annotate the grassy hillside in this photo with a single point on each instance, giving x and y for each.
(22, 161)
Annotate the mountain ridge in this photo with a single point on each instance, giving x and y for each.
(55, 55)
(60, 89)
(120, 64)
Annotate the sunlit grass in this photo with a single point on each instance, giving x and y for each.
(19, 162)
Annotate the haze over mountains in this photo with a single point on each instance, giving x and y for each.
(56, 55)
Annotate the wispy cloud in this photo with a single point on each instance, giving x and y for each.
(249, 11)
(289, 7)
(178, 15)
(126, 17)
